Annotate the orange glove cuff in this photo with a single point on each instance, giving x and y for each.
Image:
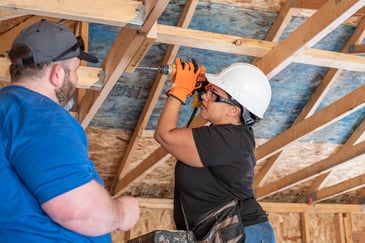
(179, 94)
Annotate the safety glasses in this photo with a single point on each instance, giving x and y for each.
(214, 97)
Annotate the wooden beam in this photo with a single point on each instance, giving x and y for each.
(268, 167)
(347, 223)
(120, 55)
(327, 18)
(357, 49)
(157, 157)
(279, 25)
(339, 228)
(145, 166)
(314, 208)
(360, 198)
(316, 185)
(149, 27)
(281, 22)
(274, 207)
(320, 180)
(142, 50)
(328, 115)
(313, 103)
(307, 173)
(305, 227)
(315, 4)
(89, 77)
(119, 13)
(7, 37)
(251, 47)
(151, 101)
(352, 184)
(5, 15)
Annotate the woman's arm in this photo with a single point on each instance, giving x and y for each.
(179, 141)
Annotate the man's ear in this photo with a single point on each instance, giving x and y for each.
(57, 75)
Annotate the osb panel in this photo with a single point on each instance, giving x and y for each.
(346, 171)
(107, 147)
(322, 227)
(286, 226)
(358, 222)
(290, 162)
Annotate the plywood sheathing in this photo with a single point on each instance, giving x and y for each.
(323, 223)
(107, 147)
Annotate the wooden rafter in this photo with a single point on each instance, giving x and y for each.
(274, 34)
(328, 115)
(360, 198)
(352, 184)
(316, 185)
(350, 150)
(120, 55)
(152, 99)
(156, 157)
(281, 22)
(310, 172)
(313, 102)
(355, 138)
(327, 18)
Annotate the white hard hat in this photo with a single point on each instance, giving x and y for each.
(246, 84)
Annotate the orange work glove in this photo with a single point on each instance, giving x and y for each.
(184, 81)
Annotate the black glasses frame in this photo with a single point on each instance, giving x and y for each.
(222, 99)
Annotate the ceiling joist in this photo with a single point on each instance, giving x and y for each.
(119, 13)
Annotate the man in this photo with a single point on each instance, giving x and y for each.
(49, 189)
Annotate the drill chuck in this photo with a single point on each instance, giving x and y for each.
(170, 69)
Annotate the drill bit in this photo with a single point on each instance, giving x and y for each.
(168, 69)
(149, 68)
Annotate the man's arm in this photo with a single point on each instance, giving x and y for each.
(90, 210)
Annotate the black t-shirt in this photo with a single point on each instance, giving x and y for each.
(227, 153)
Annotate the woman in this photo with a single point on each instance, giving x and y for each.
(216, 163)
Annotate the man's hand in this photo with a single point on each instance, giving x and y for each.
(185, 80)
(128, 212)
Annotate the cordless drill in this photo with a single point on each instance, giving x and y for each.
(170, 69)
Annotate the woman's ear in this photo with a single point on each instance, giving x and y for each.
(234, 110)
(57, 75)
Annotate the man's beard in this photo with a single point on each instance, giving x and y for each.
(66, 91)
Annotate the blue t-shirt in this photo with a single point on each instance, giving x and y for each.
(43, 153)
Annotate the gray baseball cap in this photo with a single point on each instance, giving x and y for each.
(49, 42)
